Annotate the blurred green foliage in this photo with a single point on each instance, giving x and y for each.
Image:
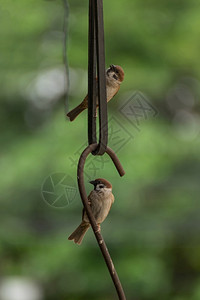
(153, 228)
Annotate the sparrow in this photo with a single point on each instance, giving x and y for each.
(114, 77)
(100, 201)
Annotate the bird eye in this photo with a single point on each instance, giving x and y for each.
(101, 186)
(116, 71)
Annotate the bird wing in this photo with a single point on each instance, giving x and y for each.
(84, 215)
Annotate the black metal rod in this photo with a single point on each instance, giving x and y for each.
(99, 237)
(92, 86)
(97, 86)
(101, 73)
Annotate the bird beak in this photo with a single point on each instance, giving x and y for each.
(92, 182)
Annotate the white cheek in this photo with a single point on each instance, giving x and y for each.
(110, 74)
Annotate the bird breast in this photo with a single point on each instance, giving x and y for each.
(111, 91)
(100, 205)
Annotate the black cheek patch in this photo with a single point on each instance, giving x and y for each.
(115, 76)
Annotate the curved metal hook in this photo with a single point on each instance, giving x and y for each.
(83, 194)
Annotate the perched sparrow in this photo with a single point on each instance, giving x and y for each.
(100, 201)
(114, 77)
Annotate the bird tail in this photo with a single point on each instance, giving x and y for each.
(79, 233)
(76, 111)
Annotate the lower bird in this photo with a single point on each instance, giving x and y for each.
(114, 77)
(100, 201)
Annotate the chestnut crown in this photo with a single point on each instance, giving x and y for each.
(103, 182)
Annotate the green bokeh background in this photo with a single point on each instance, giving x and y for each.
(153, 229)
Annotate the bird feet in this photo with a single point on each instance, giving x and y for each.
(99, 228)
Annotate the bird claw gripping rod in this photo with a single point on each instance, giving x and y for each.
(96, 62)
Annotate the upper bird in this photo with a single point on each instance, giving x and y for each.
(100, 201)
(114, 77)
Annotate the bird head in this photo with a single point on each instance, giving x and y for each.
(101, 185)
(115, 72)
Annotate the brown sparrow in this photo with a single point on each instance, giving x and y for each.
(100, 201)
(114, 77)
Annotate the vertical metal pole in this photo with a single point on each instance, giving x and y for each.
(92, 85)
(103, 118)
(96, 58)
